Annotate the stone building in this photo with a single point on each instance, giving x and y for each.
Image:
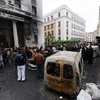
(21, 23)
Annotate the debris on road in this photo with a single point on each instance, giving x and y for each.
(92, 91)
(83, 95)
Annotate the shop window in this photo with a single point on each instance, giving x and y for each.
(67, 71)
(53, 69)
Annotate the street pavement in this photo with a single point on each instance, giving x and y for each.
(33, 88)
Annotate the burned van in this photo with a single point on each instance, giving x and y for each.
(63, 72)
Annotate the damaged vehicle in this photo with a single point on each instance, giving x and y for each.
(63, 72)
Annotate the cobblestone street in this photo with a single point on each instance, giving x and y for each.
(33, 89)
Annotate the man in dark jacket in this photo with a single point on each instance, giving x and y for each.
(20, 62)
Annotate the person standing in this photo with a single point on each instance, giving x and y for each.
(1, 62)
(39, 61)
(20, 62)
(90, 55)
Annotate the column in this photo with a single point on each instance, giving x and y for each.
(16, 44)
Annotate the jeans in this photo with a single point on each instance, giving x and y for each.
(39, 71)
(1, 64)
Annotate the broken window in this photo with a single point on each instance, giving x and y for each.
(67, 71)
(53, 69)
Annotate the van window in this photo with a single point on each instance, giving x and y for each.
(53, 69)
(68, 71)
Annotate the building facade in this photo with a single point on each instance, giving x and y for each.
(63, 24)
(21, 23)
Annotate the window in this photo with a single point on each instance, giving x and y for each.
(59, 14)
(67, 71)
(34, 10)
(2, 2)
(52, 33)
(34, 1)
(48, 26)
(52, 17)
(59, 32)
(48, 18)
(67, 14)
(51, 26)
(44, 20)
(48, 33)
(72, 25)
(59, 24)
(53, 69)
(18, 3)
(67, 31)
(44, 27)
(59, 38)
(45, 33)
(72, 16)
(67, 23)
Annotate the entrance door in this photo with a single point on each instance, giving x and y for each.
(3, 42)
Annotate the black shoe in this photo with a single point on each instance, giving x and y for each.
(18, 80)
(23, 80)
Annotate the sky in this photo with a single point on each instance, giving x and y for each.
(87, 9)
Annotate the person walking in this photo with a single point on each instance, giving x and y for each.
(39, 61)
(20, 62)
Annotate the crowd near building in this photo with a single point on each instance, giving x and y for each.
(21, 23)
(63, 24)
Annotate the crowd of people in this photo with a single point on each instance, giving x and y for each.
(18, 57)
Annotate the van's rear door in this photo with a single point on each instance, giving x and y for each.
(67, 79)
(53, 77)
